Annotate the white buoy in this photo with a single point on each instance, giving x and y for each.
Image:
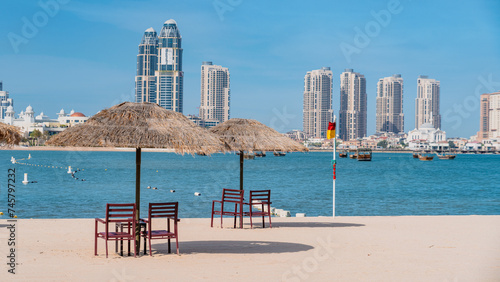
(25, 181)
(29, 156)
(197, 193)
(69, 170)
(13, 160)
(149, 187)
(172, 191)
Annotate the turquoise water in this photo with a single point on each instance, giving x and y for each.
(391, 184)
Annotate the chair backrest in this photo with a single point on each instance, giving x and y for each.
(257, 196)
(232, 195)
(120, 212)
(163, 210)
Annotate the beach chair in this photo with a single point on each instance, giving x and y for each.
(162, 210)
(260, 199)
(229, 196)
(117, 213)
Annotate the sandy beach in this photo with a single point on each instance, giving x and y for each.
(405, 248)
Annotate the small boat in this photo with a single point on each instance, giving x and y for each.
(342, 154)
(415, 155)
(279, 154)
(261, 154)
(425, 158)
(249, 156)
(447, 157)
(353, 154)
(201, 154)
(364, 154)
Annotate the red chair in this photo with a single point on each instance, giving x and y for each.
(117, 213)
(229, 196)
(162, 210)
(260, 198)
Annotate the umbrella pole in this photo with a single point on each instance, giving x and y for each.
(241, 179)
(137, 197)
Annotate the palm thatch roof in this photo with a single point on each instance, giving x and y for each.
(9, 135)
(250, 135)
(140, 125)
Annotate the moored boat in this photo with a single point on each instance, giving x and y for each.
(260, 155)
(279, 154)
(425, 158)
(364, 154)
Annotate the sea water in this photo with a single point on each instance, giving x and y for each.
(389, 185)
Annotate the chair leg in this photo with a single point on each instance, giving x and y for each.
(95, 246)
(177, 244)
(212, 221)
(251, 223)
(269, 213)
(150, 250)
(106, 248)
(241, 216)
(135, 248)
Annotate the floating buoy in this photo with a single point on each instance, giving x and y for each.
(13, 160)
(197, 193)
(29, 156)
(1, 213)
(105, 169)
(149, 187)
(25, 181)
(156, 171)
(69, 169)
(154, 188)
(15, 216)
(172, 191)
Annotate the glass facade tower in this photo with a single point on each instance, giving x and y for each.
(145, 81)
(159, 68)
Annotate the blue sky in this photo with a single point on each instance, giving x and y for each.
(81, 55)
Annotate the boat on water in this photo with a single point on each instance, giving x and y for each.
(415, 154)
(425, 157)
(342, 154)
(446, 156)
(279, 154)
(248, 156)
(364, 154)
(353, 154)
(260, 155)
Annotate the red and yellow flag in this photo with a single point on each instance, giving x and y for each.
(331, 130)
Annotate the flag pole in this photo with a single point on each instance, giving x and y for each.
(334, 162)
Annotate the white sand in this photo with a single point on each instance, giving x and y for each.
(407, 248)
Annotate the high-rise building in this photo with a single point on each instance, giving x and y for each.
(145, 81)
(215, 92)
(159, 68)
(489, 122)
(318, 102)
(390, 117)
(169, 75)
(427, 102)
(5, 101)
(352, 123)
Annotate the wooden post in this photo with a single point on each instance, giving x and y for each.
(137, 197)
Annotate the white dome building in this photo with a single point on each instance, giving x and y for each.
(428, 133)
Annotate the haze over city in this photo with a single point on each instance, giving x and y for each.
(83, 55)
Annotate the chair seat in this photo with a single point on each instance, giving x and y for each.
(159, 233)
(229, 213)
(256, 213)
(115, 235)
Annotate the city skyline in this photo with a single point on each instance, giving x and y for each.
(38, 67)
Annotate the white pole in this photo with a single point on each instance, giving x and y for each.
(334, 162)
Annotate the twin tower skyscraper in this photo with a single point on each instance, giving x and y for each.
(159, 76)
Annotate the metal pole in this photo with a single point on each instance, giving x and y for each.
(137, 197)
(334, 163)
(241, 170)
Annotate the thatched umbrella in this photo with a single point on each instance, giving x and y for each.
(9, 135)
(249, 135)
(140, 125)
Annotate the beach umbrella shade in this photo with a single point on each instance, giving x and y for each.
(248, 135)
(140, 125)
(9, 135)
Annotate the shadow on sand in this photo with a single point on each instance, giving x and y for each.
(232, 247)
